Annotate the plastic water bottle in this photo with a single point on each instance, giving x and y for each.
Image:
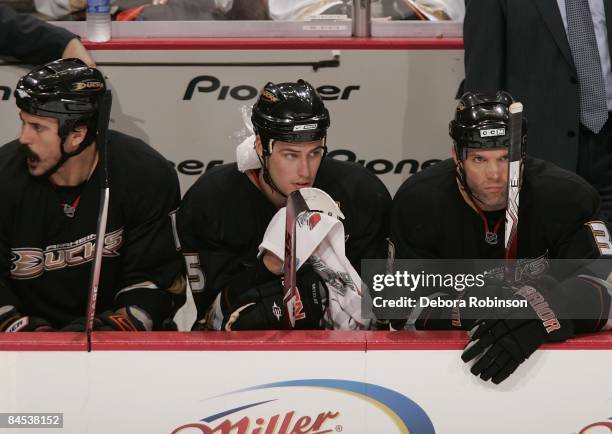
(98, 20)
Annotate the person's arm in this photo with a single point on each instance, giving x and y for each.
(232, 288)
(34, 41)
(211, 261)
(76, 49)
(484, 39)
(151, 266)
(13, 315)
(583, 255)
(368, 239)
(579, 302)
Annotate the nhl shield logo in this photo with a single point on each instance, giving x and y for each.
(491, 238)
(69, 210)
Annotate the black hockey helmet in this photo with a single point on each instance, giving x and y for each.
(481, 121)
(290, 112)
(65, 89)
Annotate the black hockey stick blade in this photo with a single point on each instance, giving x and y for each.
(101, 142)
(295, 206)
(514, 183)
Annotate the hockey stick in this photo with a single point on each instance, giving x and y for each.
(101, 142)
(514, 184)
(295, 206)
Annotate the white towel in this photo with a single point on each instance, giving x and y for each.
(320, 240)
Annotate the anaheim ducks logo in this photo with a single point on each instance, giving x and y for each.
(29, 263)
(268, 96)
(87, 85)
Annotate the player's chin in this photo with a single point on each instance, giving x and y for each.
(39, 170)
(497, 205)
(36, 171)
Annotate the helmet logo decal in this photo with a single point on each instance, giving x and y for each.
(268, 96)
(22, 93)
(305, 127)
(87, 85)
(493, 132)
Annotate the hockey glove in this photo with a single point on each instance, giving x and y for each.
(130, 318)
(13, 321)
(508, 336)
(261, 307)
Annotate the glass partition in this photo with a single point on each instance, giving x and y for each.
(258, 18)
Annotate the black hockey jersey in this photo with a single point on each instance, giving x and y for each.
(223, 218)
(46, 255)
(558, 219)
(430, 218)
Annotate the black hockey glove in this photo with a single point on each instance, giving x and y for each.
(124, 322)
(12, 321)
(508, 336)
(261, 307)
(128, 319)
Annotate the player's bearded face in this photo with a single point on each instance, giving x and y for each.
(486, 173)
(39, 136)
(295, 165)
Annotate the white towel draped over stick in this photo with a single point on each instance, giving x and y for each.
(320, 241)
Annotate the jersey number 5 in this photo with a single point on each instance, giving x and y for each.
(194, 272)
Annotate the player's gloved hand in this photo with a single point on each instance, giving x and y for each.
(508, 336)
(261, 307)
(12, 321)
(130, 318)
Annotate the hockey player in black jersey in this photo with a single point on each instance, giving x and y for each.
(50, 185)
(224, 215)
(455, 210)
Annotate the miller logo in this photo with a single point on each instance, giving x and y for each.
(602, 424)
(294, 407)
(95, 85)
